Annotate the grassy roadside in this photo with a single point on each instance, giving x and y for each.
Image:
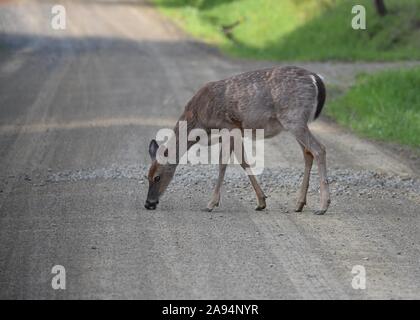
(301, 29)
(384, 106)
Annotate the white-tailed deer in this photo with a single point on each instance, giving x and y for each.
(273, 99)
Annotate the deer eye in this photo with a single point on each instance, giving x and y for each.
(156, 179)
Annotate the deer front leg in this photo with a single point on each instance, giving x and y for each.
(308, 157)
(258, 191)
(215, 200)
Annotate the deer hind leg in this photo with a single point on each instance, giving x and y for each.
(308, 157)
(258, 191)
(305, 137)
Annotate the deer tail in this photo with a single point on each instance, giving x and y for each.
(321, 95)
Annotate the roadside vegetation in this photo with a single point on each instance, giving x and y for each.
(301, 29)
(384, 106)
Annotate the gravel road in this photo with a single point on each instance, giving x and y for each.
(78, 108)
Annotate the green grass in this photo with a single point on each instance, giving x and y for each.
(384, 106)
(301, 29)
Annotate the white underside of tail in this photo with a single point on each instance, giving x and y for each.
(312, 118)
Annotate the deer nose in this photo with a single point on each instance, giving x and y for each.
(151, 205)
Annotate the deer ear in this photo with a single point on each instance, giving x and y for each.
(153, 147)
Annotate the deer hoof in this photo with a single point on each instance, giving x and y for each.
(299, 206)
(207, 209)
(260, 207)
(320, 212)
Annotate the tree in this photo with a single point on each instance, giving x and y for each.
(380, 7)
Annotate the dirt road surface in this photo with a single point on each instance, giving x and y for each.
(78, 108)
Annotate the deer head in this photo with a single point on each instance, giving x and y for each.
(159, 176)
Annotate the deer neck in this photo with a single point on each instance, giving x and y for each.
(181, 130)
